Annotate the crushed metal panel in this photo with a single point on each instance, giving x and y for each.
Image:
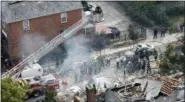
(153, 89)
(180, 95)
(110, 96)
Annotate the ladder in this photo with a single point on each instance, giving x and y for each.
(37, 55)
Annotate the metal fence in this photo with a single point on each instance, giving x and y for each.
(124, 36)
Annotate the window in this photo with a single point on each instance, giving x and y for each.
(4, 24)
(139, 46)
(50, 81)
(20, 76)
(37, 78)
(26, 25)
(28, 80)
(63, 17)
(148, 45)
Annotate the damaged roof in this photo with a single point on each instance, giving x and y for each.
(32, 9)
(152, 87)
(168, 84)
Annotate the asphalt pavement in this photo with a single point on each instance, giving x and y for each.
(162, 42)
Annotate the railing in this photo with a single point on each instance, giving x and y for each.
(47, 47)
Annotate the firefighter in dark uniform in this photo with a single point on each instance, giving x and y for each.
(143, 64)
(117, 63)
(148, 67)
(155, 54)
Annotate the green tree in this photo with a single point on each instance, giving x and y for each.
(133, 35)
(153, 13)
(171, 62)
(50, 96)
(85, 5)
(13, 91)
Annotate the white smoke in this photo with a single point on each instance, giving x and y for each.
(77, 52)
(29, 43)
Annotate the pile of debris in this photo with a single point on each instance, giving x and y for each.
(136, 89)
(147, 89)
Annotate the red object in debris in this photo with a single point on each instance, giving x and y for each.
(64, 83)
(179, 43)
(101, 27)
(48, 86)
(35, 85)
(53, 86)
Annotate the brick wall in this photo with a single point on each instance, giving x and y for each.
(48, 26)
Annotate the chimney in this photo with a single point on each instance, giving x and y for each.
(94, 88)
(90, 93)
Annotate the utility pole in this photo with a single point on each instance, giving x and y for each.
(125, 81)
(184, 37)
(184, 26)
(146, 68)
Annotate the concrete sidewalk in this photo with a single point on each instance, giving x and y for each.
(155, 42)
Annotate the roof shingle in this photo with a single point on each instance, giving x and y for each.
(33, 9)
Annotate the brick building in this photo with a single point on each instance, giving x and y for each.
(43, 18)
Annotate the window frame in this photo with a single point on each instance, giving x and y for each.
(62, 15)
(26, 25)
(50, 81)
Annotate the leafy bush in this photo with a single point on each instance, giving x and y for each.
(50, 96)
(170, 62)
(153, 13)
(12, 91)
(176, 10)
(133, 35)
